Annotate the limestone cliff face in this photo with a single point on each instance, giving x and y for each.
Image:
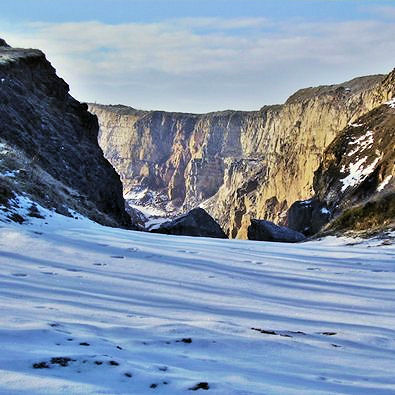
(51, 152)
(238, 165)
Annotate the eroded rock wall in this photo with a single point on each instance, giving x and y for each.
(237, 165)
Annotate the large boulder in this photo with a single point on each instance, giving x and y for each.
(195, 223)
(308, 216)
(3, 43)
(268, 231)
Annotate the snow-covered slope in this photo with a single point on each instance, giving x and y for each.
(86, 309)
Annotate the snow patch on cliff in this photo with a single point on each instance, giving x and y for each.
(362, 143)
(384, 183)
(357, 172)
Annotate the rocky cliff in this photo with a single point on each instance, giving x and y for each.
(48, 143)
(237, 165)
(357, 172)
(354, 186)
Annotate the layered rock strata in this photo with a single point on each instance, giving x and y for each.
(237, 165)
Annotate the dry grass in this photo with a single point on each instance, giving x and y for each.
(365, 219)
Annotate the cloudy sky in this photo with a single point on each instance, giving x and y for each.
(203, 55)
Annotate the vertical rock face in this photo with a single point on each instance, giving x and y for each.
(237, 165)
(57, 138)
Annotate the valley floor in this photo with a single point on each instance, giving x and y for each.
(86, 309)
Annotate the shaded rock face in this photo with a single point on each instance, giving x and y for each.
(241, 165)
(3, 43)
(262, 230)
(57, 138)
(308, 216)
(196, 223)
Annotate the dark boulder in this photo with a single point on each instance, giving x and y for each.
(308, 216)
(3, 43)
(267, 231)
(195, 223)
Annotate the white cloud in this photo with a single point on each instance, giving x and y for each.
(382, 11)
(206, 64)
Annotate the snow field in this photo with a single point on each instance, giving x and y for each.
(86, 309)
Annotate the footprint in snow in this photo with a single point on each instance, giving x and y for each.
(186, 340)
(155, 385)
(254, 262)
(61, 361)
(188, 251)
(133, 249)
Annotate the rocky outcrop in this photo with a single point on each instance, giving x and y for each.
(237, 165)
(3, 43)
(355, 183)
(196, 223)
(49, 142)
(308, 216)
(359, 168)
(262, 230)
(360, 162)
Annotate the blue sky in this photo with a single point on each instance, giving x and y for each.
(203, 55)
(123, 11)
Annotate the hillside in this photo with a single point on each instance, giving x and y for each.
(48, 144)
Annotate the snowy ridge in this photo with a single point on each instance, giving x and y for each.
(87, 309)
